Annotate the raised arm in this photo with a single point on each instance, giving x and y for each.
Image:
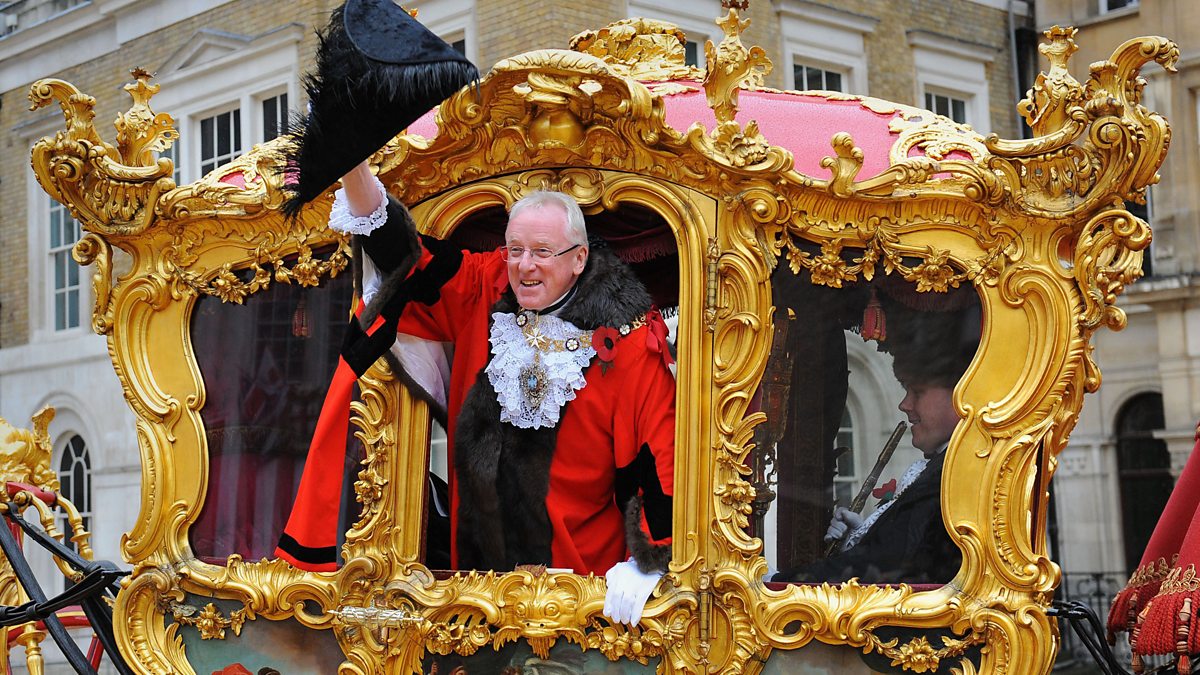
(362, 191)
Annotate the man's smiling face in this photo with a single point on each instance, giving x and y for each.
(930, 411)
(538, 282)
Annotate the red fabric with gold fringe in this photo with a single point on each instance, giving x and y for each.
(1158, 604)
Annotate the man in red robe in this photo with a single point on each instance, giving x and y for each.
(559, 401)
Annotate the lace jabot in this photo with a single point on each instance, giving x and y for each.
(537, 366)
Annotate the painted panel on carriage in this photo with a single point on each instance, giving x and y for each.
(262, 647)
(266, 364)
(858, 395)
(518, 658)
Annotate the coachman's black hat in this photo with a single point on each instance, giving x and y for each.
(378, 70)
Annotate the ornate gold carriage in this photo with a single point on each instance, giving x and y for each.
(222, 322)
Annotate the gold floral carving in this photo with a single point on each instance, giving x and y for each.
(643, 49)
(208, 621)
(919, 656)
(25, 453)
(1037, 226)
(109, 189)
(25, 458)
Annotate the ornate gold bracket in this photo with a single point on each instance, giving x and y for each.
(729, 67)
(209, 621)
(112, 190)
(1063, 172)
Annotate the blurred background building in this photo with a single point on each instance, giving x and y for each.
(230, 72)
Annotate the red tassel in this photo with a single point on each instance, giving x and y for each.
(300, 327)
(1182, 632)
(874, 322)
(1135, 660)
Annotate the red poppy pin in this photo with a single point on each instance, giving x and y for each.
(604, 341)
(885, 492)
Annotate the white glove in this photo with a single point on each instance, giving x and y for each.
(628, 590)
(844, 520)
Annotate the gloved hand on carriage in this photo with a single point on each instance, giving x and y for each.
(628, 590)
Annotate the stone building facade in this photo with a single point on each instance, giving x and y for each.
(1136, 433)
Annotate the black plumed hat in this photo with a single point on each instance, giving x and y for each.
(378, 70)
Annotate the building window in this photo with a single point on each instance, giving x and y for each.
(220, 139)
(845, 483)
(172, 153)
(1143, 211)
(1112, 5)
(460, 46)
(1143, 472)
(64, 232)
(274, 116)
(810, 78)
(948, 106)
(691, 54)
(952, 77)
(825, 45)
(75, 478)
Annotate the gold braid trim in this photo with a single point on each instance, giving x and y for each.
(1153, 572)
(1180, 580)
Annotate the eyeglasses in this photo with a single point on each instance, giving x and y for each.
(540, 255)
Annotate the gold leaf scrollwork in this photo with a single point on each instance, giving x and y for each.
(845, 166)
(729, 66)
(209, 620)
(111, 190)
(1047, 105)
(1123, 144)
(94, 249)
(227, 285)
(1108, 256)
(918, 655)
(643, 49)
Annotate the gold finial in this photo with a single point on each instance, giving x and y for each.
(729, 67)
(1045, 105)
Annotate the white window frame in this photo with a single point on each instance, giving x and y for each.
(52, 254)
(1131, 6)
(216, 72)
(195, 139)
(952, 96)
(947, 66)
(85, 509)
(450, 20)
(827, 38)
(854, 480)
(40, 289)
(697, 19)
(804, 63)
